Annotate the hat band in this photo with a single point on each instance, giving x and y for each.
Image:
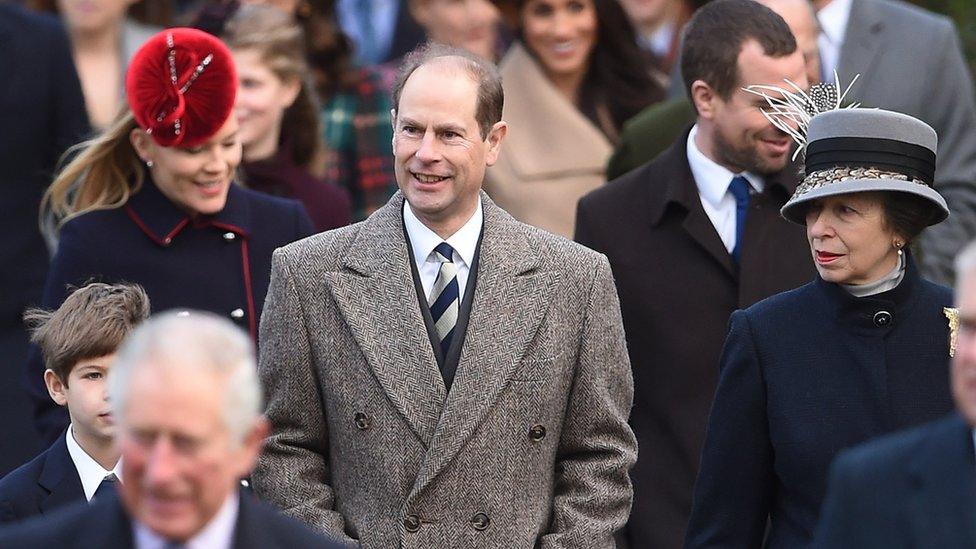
(830, 176)
(914, 161)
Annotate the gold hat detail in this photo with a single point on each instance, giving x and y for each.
(953, 315)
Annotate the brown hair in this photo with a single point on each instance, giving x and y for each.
(491, 97)
(907, 214)
(92, 322)
(280, 43)
(714, 37)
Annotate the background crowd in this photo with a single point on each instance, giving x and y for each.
(594, 91)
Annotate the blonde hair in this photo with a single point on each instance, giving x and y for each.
(101, 175)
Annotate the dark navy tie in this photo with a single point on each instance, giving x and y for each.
(106, 487)
(444, 296)
(739, 187)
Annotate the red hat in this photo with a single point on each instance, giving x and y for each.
(181, 86)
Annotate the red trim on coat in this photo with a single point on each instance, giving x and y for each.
(246, 266)
(166, 240)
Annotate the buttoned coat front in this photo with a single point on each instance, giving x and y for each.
(530, 448)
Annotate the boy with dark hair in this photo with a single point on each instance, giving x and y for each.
(78, 342)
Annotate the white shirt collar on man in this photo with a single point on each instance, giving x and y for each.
(90, 472)
(833, 31)
(713, 181)
(423, 241)
(217, 534)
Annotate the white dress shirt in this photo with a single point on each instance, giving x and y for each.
(89, 470)
(833, 30)
(217, 534)
(713, 182)
(423, 241)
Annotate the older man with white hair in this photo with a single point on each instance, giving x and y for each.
(187, 403)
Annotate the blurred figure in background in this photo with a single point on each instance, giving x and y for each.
(570, 83)
(472, 25)
(42, 110)
(380, 30)
(658, 24)
(278, 115)
(103, 41)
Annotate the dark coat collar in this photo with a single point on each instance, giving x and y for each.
(681, 189)
(59, 477)
(860, 312)
(162, 220)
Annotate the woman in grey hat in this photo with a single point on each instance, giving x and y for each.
(861, 351)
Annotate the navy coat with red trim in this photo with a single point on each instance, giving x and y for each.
(219, 263)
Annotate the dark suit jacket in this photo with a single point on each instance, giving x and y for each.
(678, 286)
(106, 525)
(649, 133)
(42, 113)
(219, 263)
(45, 483)
(915, 489)
(806, 374)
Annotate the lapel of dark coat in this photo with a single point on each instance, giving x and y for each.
(60, 478)
(862, 43)
(510, 300)
(376, 296)
(943, 475)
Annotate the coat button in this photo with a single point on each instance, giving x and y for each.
(537, 433)
(882, 319)
(167, 241)
(480, 521)
(411, 523)
(362, 421)
(229, 236)
(237, 314)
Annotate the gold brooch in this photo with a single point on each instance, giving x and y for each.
(953, 315)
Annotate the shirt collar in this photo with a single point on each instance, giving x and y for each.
(711, 177)
(423, 240)
(90, 472)
(217, 534)
(833, 21)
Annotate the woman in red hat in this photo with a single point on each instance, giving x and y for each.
(152, 200)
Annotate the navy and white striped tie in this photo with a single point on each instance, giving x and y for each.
(444, 296)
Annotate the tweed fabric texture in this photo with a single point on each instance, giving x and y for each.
(365, 435)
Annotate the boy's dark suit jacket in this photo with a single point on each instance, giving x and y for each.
(41, 485)
(912, 489)
(106, 525)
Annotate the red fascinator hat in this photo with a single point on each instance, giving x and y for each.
(181, 86)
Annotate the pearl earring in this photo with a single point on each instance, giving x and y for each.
(149, 163)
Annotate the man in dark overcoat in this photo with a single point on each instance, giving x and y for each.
(915, 488)
(693, 236)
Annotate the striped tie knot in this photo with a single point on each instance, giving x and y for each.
(444, 298)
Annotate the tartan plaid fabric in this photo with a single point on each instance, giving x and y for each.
(358, 135)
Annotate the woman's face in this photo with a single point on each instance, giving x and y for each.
(561, 34)
(93, 15)
(262, 98)
(195, 179)
(471, 25)
(850, 239)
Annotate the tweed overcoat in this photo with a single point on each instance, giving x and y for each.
(530, 448)
(806, 374)
(909, 490)
(678, 286)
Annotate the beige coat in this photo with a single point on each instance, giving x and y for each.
(529, 449)
(553, 154)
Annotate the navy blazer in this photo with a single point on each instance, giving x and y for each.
(104, 524)
(805, 374)
(45, 483)
(915, 489)
(219, 263)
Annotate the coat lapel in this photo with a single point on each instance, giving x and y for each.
(862, 43)
(943, 474)
(60, 478)
(510, 300)
(376, 296)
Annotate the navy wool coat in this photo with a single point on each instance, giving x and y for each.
(46, 483)
(219, 263)
(910, 490)
(804, 375)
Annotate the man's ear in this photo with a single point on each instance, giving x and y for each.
(495, 137)
(252, 445)
(55, 387)
(393, 115)
(703, 97)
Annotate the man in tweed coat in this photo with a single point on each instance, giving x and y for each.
(469, 396)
